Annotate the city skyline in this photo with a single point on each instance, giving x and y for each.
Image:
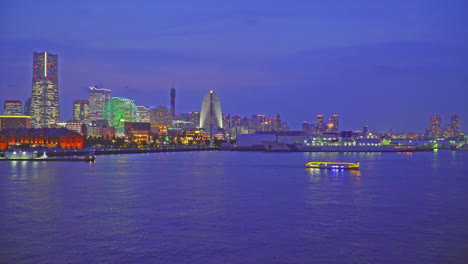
(413, 72)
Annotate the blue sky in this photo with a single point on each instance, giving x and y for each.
(387, 64)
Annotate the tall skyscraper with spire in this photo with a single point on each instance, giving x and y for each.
(44, 109)
(173, 93)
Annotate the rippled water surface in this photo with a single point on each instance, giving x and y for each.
(236, 207)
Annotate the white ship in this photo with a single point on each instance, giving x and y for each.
(322, 144)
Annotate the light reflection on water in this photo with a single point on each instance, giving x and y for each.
(242, 207)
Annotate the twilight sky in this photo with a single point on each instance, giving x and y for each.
(387, 64)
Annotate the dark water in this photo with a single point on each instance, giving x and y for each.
(236, 207)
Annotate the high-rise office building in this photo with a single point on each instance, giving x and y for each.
(435, 126)
(320, 126)
(144, 114)
(309, 129)
(227, 121)
(334, 124)
(97, 100)
(173, 94)
(455, 124)
(27, 107)
(44, 109)
(236, 121)
(12, 108)
(160, 116)
(211, 116)
(81, 111)
(448, 131)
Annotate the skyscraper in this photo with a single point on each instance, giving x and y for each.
(12, 108)
(236, 121)
(44, 109)
(97, 100)
(334, 124)
(435, 126)
(160, 116)
(211, 116)
(81, 110)
(27, 107)
(455, 124)
(173, 93)
(144, 114)
(227, 121)
(319, 126)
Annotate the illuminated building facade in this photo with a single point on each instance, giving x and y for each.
(144, 114)
(27, 107)
(45, 98)
(448, 131)
(81, 111)
(12, 108)
(98, 98)
(455, 124)
(309, 129)
(173, 94)
(435, 126)
(7, 122)
(138, 131)
(190, 119)
(211, 117)
(227, 121)
(160, 116)
(333, 127)
(100, 128)
(319, 125)
(236, 121)
(45, 137)
(76, 126)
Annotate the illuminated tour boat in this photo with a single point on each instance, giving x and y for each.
(333, 165)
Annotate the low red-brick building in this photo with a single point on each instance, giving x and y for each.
(42, 137)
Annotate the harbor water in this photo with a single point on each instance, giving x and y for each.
(236, 207)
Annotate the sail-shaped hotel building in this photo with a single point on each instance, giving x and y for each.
(211, 117)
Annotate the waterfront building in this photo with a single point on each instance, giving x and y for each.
(160, 116)
(309, 129)
(44, 137)
(435, 126)
(97, 98)
(11, 122)
(27, 107)
(211, 116)
(12, 108)
(137, 131)
(44, 109)
(173, 95)
(333, 124)
(186, 120)
(144, 113)
(76, 126)
(227, 121)
(319, 126)
(448, 131)
(100, 128)
(236, 121)
(81, 111)
(455, 124)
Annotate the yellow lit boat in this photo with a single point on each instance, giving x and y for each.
(333, 165)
